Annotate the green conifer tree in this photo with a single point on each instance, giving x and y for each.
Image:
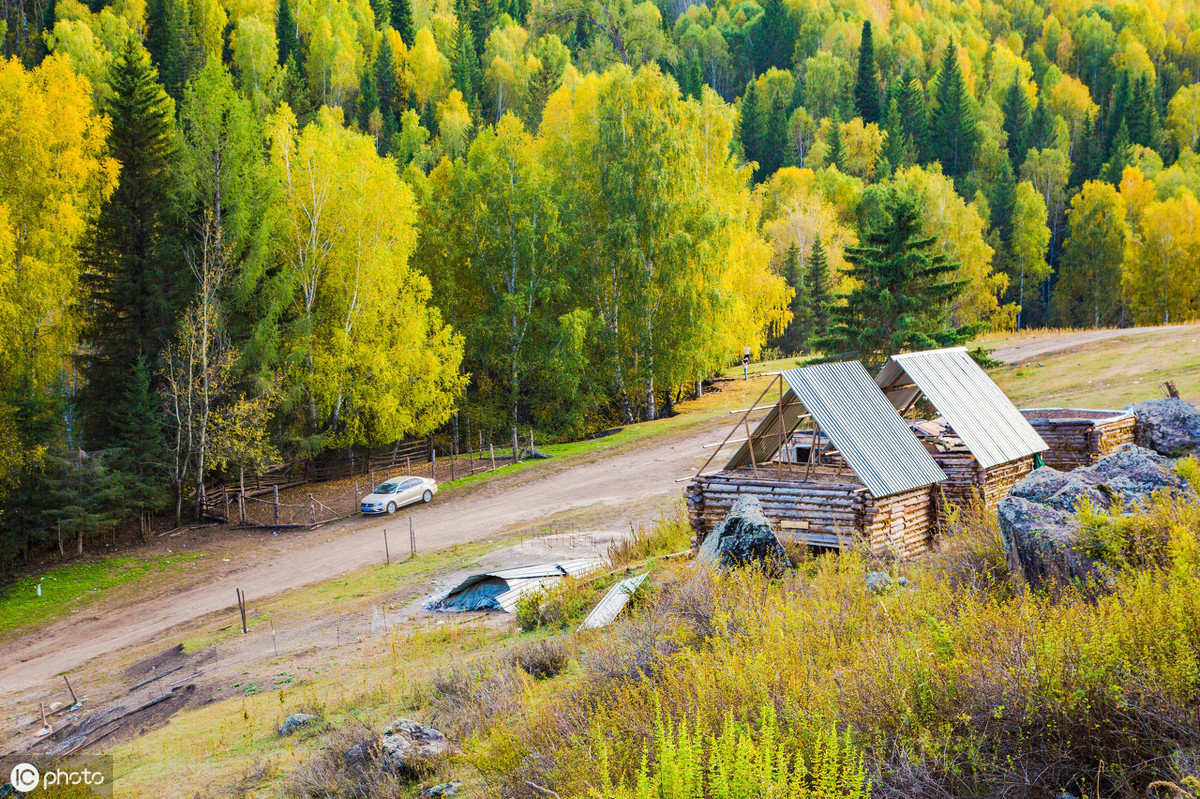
(285, 33)
(835, 154)
(402, 20)
(464, 60)
(133, 277)
(1120, 156)
(952, 132)
(904, 294)
(820, 294)
(795, 335)
(866, 86)
(1016, 122)
(913, 112)
(773, 37)
(752, 125)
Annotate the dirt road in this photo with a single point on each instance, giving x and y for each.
(1028, 347)
(615, 489)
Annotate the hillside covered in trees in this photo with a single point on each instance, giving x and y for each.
(234, 231)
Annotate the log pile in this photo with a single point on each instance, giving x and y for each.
(825, 514)
(1080, 437)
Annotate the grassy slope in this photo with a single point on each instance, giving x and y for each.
(1107, 374)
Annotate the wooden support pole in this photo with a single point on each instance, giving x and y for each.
(750, 445)
(779, 454)
(241, 597)
(312, 510)
(386, 552)
(492, 453)
(453, 449)
(412, 539)
(730, 433)
(242, 494)
(74, 699)
(276, 489)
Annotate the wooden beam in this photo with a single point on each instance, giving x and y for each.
(723, 443)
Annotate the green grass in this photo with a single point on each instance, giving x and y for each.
(73, 588)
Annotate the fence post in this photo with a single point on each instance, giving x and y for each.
(387, 554)
(453, 447)
(276, 487)
(312, 510)
(412, 539)
(373, 483)
(492, 452)
(242, 494)
(408, 464)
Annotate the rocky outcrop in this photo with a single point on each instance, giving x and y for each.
(1170, 427)
(1038, 519)
(295, 722)
(409, 747)
(744, 538)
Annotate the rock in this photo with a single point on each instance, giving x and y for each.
(408, 746)
(1170, 426)
(744, 538)
(1060, 490)
(295, 722)
(451, 788)
(1131, 474)
(1045, 541)
(882, 582)
(362, 754)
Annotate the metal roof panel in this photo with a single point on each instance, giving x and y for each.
(973, 405)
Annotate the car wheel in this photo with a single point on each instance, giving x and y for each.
(391, 508)
(427, 496)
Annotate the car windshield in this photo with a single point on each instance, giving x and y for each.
(387, 488)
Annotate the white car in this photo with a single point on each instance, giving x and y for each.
(397, 493)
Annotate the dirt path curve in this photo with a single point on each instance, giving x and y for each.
(634, 476)
(1035, 345)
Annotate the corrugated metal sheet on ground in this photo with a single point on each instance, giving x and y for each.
(863, 426)
(973, 405)
(613, 603)
(502, 589)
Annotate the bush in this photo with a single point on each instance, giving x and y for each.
(542, 659)
(667, 536)
(558, 607)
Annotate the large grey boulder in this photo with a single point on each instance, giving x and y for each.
(1038, 520)
(295, 722)
(1170, 426)
(409, 747)
(744, 538)
(1045, 541)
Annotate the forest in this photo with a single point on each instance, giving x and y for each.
(237, 231)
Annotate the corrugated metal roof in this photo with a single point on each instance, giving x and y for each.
(613, 603)
(864, 428)
(976, 409)
(503, 588)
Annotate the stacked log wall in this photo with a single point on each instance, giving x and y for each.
(833, 511)
(1076, 442)
(901, 524)
(966, 481)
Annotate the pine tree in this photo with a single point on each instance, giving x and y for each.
(1000, 198)
(133, 278)
(866, 86)
(1016, 121)
(1088, 160)
(285, 33)
(1040, 133)
(385, 79)
(952, 132)
(913, 112)
(796, 334)
(402, 20)
(1142, 115)
(774, 143)
(1117, 109)
(368, 98)
(904, 294)
(464, 61)
(1120, 156)
(819, 293)
(773, 37)
(483, 15)
(835, 151)
(752, 125)
(382, 9)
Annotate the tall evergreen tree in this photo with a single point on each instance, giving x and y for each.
(752, 125)
(796, 334)
(820, 299)
(772, 37)
(1089, 157)
(1119, 157)
(835, 153)
(464, 60)
(402, 20)
(774, 143)
(382, 9)
(904, 294)
(1000, 198)
(285, 33)
(913, 112)
(1142, 115)
(952, 132)
(1016, 121)
(1040, 133)
(1118, 105)
(483, 16)
(866, 86)
(133, 278)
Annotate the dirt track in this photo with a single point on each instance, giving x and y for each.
(608, 489)
(1035, 345)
